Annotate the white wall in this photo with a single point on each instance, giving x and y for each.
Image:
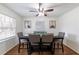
(44, 19)
(7, 44)
(69, 23)
(5, 10)
(10, 42)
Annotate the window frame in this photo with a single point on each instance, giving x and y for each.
(13, 28)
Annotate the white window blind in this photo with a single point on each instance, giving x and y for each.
(7, 26)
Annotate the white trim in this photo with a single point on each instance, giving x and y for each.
(5, 39)
(71, 48)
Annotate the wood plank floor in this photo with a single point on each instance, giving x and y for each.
(67, 51)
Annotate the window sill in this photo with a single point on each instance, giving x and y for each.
(5, 39)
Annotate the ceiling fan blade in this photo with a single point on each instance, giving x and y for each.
(32, 11)
(49, 10)
(45, 14)
(37, 14)
(39, 6)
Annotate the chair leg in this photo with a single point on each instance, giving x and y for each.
(51, 49)
(19, 48)
(62, 47)
(30, 50)
(27, 46)
(54, 48)
(23, 45)
(58, 45)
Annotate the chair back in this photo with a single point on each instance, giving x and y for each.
(20, 34)
(61, 34)
(47, 38)
(34, 38)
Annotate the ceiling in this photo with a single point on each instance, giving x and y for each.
(23, 8)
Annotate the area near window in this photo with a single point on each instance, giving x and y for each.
(7, 26)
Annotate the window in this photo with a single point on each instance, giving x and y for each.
(7, 26)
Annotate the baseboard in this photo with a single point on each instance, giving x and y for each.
(10, 49)
(71, 49)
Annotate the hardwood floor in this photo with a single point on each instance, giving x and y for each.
(67, 51)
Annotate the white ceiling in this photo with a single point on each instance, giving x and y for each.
(23, 8)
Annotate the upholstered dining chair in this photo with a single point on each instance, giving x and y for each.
(34, 41)
(47, 43)
(23, 40)
(58, 40)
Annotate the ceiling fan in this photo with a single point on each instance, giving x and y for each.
(42, 10)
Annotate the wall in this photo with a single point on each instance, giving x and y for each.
(69, 23)
(9, 43)
(44, 19)
(5, 10)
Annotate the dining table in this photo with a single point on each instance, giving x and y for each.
(40, 43)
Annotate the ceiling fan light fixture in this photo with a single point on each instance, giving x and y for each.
(45, 14)
(41, 14)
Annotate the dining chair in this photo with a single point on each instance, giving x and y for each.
(23, 40)
(34, 41)
(47, 43)
(58, 40)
